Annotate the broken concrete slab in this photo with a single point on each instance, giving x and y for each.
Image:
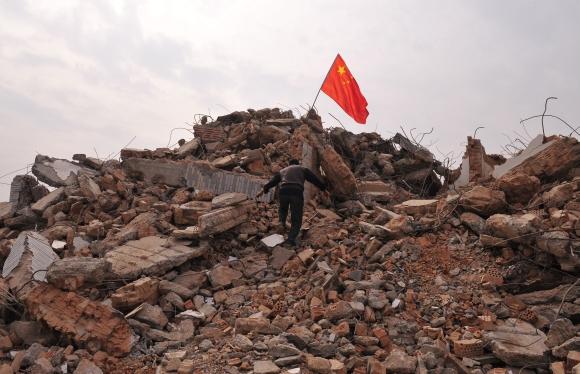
(555, 242)
(223, 219)
(328, 215)
(30, 255)
(200, 175)
(190, 232)
(517, 228)
(536, 146)
(156, 171)
(519, 187)
(483, 201)
(309, 159)
(189, 213)
(272, 134)
(86, 366)
(417, 207)
(52, 198)
(133, 294)
(280, 257)
(151, 255)
(188, 148)
(473, 221)
(89, 188)
(57, 172)
(93, 163)
(377, 230)
(228, 199)
(272, 240)
(127, 153)
(341, 179)
(371, 192)
(222, 276)
(30, 332)
(399, 362)
(553, 295)
(89, 323)
(374, 186)
(141, 226)
(559, 195)
(284, 122)
(152, 315)
(166, 287)
(75, 272)
(224, 162)
(265, 367)
(257, 325)
(562, 350)
(7, 210)
(517, 343)
(560, 330)
(545, 160)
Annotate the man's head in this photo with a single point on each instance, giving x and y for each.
(294, 162)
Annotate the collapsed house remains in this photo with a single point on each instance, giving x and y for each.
(166, 262)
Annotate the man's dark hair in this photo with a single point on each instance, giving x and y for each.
(294, 162)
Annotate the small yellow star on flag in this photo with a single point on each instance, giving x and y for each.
(341, 70)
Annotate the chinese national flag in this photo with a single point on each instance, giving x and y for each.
(341, 86)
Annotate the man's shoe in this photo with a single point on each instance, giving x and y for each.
(290, 243)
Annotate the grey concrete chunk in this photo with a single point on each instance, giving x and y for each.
(57, 172)
(518, 343)
(151, 255)
(52, 198)
(265, 367)
(228, 199)
(273, 240)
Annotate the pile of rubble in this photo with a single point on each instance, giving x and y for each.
(166, 262)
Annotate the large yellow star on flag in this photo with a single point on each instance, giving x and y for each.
(341, 70)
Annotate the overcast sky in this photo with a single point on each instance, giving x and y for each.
(88, 76)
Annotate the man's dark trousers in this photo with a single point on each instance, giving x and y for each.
(296, 204)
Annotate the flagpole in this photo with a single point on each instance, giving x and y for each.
(326, 76)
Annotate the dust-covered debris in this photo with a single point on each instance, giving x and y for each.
(171, 261)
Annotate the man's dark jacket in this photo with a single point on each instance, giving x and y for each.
(291, 180)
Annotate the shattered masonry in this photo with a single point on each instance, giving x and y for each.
(91, 324)
(165, 261)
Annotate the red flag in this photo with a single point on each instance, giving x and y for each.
(341, 86)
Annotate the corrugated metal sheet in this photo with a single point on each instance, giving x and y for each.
(202, 177)
(42, 254)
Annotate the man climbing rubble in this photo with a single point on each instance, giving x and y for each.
(291, 180)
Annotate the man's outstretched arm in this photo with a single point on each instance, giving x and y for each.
(312, 178)
(273, 182)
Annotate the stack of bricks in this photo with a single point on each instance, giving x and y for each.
(209, 134)
(528, 315)
(468, 347)
(487, 321)
(493, 277)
